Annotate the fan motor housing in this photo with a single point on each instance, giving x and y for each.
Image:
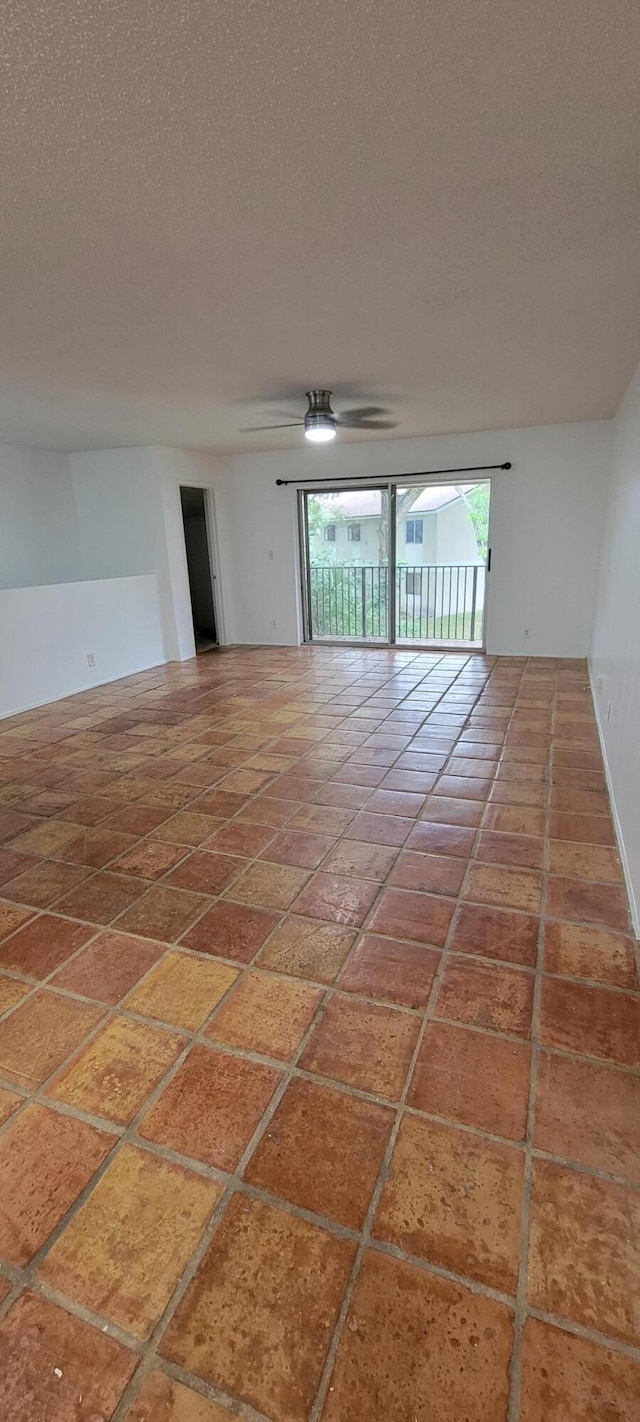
(319, 413)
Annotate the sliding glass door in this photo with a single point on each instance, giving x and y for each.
(397, 563)
(347, 564)
(441, 545)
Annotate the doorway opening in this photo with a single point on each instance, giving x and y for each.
(401, 563)
(201, 575)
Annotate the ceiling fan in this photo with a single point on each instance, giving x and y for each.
(321, 422)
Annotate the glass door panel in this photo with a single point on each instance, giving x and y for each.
(441, 540)
(346, 547)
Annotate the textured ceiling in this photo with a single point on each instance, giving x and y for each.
(204, 201)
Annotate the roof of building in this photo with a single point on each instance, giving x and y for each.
(367, 503)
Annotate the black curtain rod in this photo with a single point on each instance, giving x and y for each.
(402, 478)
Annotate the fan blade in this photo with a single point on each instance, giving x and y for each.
(364, 412)
(253, 429)
(373, 425)
(366, 419)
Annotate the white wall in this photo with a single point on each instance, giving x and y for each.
(90, 519)
(121, 522)
(547, 516)
(38, 526)
(615, 653)
(258, 538)
(60, 539)
(119, 515)
(46, 634)
(546, 528)
(130, 521)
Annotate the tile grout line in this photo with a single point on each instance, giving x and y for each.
(515, 1371)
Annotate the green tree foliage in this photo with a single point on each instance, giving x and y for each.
(477, 501)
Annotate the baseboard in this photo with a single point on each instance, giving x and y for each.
(633, 906)
(78, 690)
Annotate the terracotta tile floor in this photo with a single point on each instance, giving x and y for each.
(319, 1048)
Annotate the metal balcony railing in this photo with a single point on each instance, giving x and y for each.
(434, 603)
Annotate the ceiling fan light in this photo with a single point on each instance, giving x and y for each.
(319, 421)
(320, 433)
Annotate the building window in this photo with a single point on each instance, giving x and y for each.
(414, 584)
(330, 533)
(353, 532)
(414, 530)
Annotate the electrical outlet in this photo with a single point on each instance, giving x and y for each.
(527, 632)
(270, 555)
(600, 684)
(274, 623)
(91, 658)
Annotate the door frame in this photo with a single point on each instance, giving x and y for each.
(390, 486)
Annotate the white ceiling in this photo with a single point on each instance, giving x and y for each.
(204, 201)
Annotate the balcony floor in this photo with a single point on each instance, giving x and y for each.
(319, 1047)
